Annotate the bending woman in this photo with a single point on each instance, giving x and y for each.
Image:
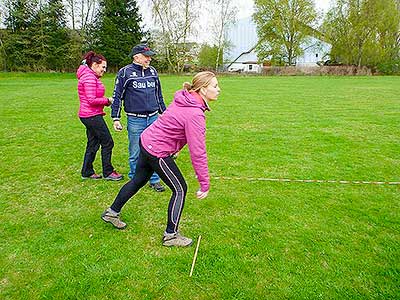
(182, 123)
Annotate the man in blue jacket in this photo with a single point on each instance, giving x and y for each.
(137, 85)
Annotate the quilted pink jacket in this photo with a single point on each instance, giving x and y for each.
(91, 93)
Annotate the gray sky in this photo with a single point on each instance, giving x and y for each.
(245, 9)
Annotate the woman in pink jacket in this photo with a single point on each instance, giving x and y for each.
(182, 123)
(92, 101)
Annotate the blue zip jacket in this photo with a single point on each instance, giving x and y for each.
(139, 89)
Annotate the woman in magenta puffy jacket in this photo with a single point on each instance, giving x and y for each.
(92, 101)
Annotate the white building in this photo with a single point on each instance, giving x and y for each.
(315, 51)
(243, 38)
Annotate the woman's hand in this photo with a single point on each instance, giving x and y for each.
(201, 195)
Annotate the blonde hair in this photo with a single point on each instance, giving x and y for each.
(201, 79)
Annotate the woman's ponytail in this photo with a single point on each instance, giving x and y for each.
(187, 86)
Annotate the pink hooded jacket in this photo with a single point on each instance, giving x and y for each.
(184, 122)
(91, 93)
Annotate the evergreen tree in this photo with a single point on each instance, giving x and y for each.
(116, 31)
(19, 14)
(58, 51)
(18, 47)
(39, 45)
(3, 54)
(37, 36)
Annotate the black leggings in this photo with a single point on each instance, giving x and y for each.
(169, 172)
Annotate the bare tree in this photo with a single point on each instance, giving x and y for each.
(70, 6)
(225, 15)
(88, 11)
(176, 22)
(2, 13)
(81, 12)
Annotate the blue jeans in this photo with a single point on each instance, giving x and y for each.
(136, 126)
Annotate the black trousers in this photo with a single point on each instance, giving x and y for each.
(97, 134)
(169, 172)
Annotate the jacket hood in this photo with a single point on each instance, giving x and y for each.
(83, 70)
(184, 98)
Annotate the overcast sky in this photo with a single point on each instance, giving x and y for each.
(245, 9)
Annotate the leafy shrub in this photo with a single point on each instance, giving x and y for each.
(389, 68)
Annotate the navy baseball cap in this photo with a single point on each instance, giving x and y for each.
(142, 48)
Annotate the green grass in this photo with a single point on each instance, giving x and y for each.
(260, 240)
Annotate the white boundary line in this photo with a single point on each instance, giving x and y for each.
(307, 180)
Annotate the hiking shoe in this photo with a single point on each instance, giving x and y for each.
(158, 187)
(93, 176)
(110, 216)
(175, 239)
(114, 176)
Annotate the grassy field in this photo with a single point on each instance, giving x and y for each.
(260, 239)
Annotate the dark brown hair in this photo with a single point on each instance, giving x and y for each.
(92, 57)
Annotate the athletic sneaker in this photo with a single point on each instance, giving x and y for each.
(93, 176)
(110, 216)
(114, 176)
(175, 239)
(157, 187)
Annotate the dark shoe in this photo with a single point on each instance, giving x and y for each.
(175, 239)
(110, 216)
(114, 176)
(157, 187)
(93, 176)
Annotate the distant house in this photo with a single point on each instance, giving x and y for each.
(315, 51)
(241, 57)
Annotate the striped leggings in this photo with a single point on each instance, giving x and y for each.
(169, 172)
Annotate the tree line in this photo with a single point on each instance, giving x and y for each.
(44, 35)
(360, 32)
(52, 35)
(38, 35)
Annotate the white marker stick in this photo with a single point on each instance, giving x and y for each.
(195, 256)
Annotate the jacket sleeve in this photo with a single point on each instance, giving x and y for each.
(196, 140)
(159, 95)
(90, 86)
(117, 96)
